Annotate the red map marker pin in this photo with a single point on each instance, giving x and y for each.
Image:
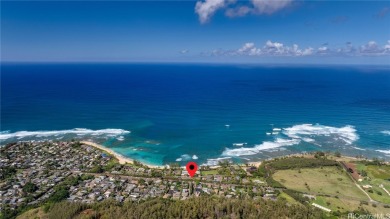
(191, 167)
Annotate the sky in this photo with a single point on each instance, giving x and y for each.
(220, 31)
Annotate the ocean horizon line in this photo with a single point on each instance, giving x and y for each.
(196, 63)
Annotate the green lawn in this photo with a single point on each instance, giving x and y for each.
(327, 180)
(288, 198)
(209, 172)
(377, 175)
(324, 202)
(348, 205)
(380, 172)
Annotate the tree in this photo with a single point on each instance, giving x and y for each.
(7, 172)
(224, 163)
(30, 187)
(97, 169)
(60, 194)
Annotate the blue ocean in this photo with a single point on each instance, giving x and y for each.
(163, 113)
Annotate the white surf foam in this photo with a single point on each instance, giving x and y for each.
(267, 145)
(120, 138)
(76, 131)
(239, 144)
(385, 132)
(310, 140)
(194, 157)
(346, 133)
(296, 134)
(184, 157)
(359, 148)
(384, 151)
(214, 162)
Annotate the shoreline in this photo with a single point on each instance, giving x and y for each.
(121, 159)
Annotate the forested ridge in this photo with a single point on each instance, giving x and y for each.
(201, 207)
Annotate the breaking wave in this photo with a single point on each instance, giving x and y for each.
(346, 133)
(20, 135)
(384, 151)
(279, 142)
(361, 149)
(214, 162)
(296, 134)
(184, 157)
(386, 132)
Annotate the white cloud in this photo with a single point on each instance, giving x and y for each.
(279, 49)
(323, 50)
(308, 51)
(387, 46)
(207, 8)
(349, 49)
(270, 6)
(248, 49)
(270, 49)
(274, 48)
(370, 47)
(184, 51)
(238, 11)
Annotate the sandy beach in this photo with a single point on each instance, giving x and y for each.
(255, 163)
(122, 159)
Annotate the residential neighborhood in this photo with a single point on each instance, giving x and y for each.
(96, 176)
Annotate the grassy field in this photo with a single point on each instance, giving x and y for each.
(377, 175)
(332, 181)
(348, 205)
(209, 172)
(288, 198)
(380, 172)
(33, 213)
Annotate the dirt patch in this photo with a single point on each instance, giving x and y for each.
(88, 212)
(351, 168)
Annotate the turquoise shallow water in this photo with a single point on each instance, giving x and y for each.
(166, 113)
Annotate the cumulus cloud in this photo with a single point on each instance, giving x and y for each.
(308, 51)
(274, 48)
(372, 48)
(271, 48)
(238, 11)
(349, 49)
(269, 6)
(207, 8)
(184, 51)
(248, 49)
(323, 50)
(387, 46)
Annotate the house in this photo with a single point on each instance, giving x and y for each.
(251, 169)
(309, 196)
